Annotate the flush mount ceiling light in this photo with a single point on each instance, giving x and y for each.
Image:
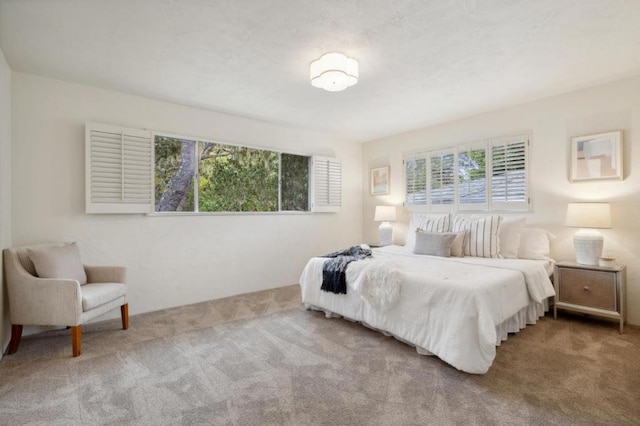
(333, 72)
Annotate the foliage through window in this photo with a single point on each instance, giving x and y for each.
(229, 178)
(484, 175)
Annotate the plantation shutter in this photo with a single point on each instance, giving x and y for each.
(441, 180)
(472, 177)
(119, 169)
(509, 183)
(415, 181)
(326, 185)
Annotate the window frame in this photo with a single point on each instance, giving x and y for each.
(489, 205)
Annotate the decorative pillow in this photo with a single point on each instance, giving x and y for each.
(534, 243)
(59, 262)
(457, 246)
(429, 223)
(434, 243)
(509, 236)
(481, 235)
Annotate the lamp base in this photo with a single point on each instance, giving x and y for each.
(588, 246)
(385, 234)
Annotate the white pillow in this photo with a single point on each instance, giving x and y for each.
(434, 243)
(427, 222)
(534, 243)
(481, 235)
(59, 262)
(509, 236)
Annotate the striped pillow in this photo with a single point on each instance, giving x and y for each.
(481, 235)
(441, 224)
(429, 223)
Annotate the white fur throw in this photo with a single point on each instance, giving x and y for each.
(377, 281)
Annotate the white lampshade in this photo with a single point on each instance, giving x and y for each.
(385, 214)
(589, 215)
(333, 72)
(588, 243)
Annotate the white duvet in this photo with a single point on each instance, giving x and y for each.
(455, 308)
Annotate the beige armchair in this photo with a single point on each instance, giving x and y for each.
(61, 302)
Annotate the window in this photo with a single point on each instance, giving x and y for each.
(416, 179)
(129, 171)
(484, 175)
(229, 178)
(294, 175)
(237, 179)
(174, 174)
(472, 179)
(442, 182)
(509, 173)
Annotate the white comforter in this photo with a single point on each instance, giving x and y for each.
(450, 307)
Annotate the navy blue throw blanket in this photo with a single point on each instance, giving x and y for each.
(334, 276)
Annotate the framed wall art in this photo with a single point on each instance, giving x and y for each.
(596, 157)
(380, 181)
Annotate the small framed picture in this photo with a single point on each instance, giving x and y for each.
(380, 181)
(596, 157)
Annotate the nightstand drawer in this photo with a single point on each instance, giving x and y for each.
(596, 289)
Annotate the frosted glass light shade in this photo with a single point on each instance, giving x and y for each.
(333, 72)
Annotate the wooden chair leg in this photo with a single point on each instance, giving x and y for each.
(124, 312)
(16, 334)
(76, 340)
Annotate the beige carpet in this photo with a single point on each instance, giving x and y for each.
(260, 359)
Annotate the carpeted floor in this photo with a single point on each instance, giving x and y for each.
(259, 359)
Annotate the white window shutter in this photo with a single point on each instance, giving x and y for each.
(509, 173)
(415, 169)
(472, 177)
(119, 169)
(326, 185)
(442, 180)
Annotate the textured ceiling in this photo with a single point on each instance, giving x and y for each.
(421, 62)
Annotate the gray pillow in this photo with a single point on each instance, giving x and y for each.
(434, 243)
(59, 262)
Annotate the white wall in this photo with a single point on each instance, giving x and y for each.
(171, 260)
(5, 191)
(551, 123)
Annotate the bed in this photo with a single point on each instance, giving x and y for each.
(456, 308)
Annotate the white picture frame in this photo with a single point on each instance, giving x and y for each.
(597, 157)
(380, 180)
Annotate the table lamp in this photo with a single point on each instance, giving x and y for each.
(588, 241)
(385, 214)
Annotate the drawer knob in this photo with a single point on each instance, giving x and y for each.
(586, 289)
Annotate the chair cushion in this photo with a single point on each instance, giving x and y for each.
(59, 262)
(95, 295)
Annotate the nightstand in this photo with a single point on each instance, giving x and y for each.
(594, 290)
